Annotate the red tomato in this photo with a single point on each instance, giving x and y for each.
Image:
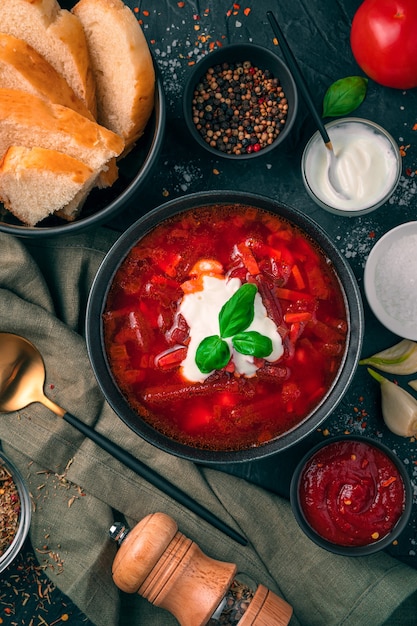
(384, 41)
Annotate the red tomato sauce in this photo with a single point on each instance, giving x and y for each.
(146, 341)
(351, 493)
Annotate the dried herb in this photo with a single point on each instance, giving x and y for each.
(29, 598)
(9, 509)
(344, 96)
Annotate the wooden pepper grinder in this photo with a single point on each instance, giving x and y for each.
(168, 569)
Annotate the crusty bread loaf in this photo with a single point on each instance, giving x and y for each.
(29, 121)
(58, 36)
(52, 150)
(22, 67)
(35, 183)
(122, 66)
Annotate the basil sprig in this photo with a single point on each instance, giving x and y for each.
(238, 312)
(344, 96)
(235, 317)
(252, 343)
(212, 354)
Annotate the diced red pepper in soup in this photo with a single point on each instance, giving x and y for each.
(148, 336)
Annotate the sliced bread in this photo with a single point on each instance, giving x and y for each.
(34, 183)
(22, 67)
(122, 66)
(58, 36)
(29, 121)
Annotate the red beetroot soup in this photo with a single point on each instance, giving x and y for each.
(351, 493)
(276, 295)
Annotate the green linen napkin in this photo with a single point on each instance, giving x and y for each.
(78, 490)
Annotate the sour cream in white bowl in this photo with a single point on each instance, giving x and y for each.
(367, 167)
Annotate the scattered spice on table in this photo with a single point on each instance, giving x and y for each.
(57, 481)
(29, 598)
(239, 108)
(9, 508)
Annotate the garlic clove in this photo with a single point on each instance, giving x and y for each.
(398, 359)
(399, 408)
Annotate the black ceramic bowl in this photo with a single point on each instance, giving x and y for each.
(16, 487)
(352, 495)
(103, 204)
(259, 57)
(103, 282)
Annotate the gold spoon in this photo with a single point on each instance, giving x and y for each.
(22, 378)
(22, 375)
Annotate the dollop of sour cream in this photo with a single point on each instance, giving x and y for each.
(366, 166)
(201, 311)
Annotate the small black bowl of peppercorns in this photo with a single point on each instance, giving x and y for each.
(240, 101)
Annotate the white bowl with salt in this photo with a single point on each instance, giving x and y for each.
(390, 280)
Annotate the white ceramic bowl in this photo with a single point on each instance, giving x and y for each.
(368, 167)
(390, 280)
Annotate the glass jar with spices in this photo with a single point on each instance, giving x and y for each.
(15, 511)
(168, 569)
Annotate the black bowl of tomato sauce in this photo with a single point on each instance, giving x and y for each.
(351, 495)
(224, 327)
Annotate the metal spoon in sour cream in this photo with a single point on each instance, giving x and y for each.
(367, 166)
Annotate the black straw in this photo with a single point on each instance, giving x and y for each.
(154, 478)
(298, 76)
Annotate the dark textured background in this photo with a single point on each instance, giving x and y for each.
(318, 32)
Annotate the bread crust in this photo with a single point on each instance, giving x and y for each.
(28, 120)
(48, 106)
(36, 182)
(58, 36)
(22, 67)
(121, 63)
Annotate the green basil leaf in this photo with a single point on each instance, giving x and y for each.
(252, 343)
(238, 312)
(344, 96)
(212, 354)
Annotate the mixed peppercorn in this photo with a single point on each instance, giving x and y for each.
(237, 601)
(239, 108)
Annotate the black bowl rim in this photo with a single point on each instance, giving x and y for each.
(69, 228)
(25, 514)
(371, 548)
(104, 277)
(208, 61)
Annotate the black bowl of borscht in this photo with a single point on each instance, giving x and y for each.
(351, 495)
(224, 327)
